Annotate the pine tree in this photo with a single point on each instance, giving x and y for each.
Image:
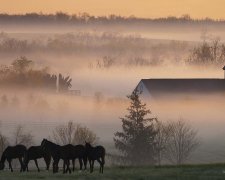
(136, 141)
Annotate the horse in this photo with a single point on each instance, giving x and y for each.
(95, 153)
(13, 152)
(34, 153)
(58, 152)
(79, 151)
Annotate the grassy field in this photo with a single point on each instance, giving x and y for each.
(192, 172)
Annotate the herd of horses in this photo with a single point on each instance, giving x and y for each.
(49, 150)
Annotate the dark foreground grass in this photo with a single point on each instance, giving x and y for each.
(188, 172)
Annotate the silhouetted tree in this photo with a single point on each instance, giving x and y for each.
(72, 133)
(21, 65)
(208, 53)
(22, 137)
(136, 141)
(161, 140)
(64, 83)
(182, 141)
(3, 143)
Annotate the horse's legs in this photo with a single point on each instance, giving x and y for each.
(36, 163)
(21, 164)
(47, 162)
(55, 166)
(92, 166)
(68, 166)
(103, 163)
(10, 165)
(73, 162)
(81, 163)
(85, 162)
(64, 164)
(100, 162)
(27, 165)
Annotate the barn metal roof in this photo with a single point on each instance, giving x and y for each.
(184, 85)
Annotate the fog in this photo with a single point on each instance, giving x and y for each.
(106, 66)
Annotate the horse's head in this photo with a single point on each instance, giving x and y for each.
(2, 165)
(43, 143)
(87, 145)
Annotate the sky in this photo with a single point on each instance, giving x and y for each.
(139, 8)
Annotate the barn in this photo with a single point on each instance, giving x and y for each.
(160, 87)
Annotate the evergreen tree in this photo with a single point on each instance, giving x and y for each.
(136, 141)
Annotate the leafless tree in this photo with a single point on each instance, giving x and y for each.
(3, 143)
(72, 133)
(22, 137)
(161, 139)
(181, 143)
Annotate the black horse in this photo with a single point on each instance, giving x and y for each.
(79, 152)
(95, 153)
(13, 152)
(34, 153)
(58, 152)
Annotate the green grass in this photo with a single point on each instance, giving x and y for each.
(187, 172)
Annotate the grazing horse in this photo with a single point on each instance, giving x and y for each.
(95, 153)
(79, 151)
(13, 152)
(34, 153)
(58, 152)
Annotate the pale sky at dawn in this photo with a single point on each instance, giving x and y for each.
(139, 8)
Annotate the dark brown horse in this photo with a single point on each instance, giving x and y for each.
(13, 152)
(95, 153)
(79, 152)
(34, 153)
(58, 152)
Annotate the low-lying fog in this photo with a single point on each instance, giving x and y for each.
(105, 69)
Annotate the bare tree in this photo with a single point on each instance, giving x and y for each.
(181, 143)
(22, 137)
(3, 143)
(72, 133)
(161, 139)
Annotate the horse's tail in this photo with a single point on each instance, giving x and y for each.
(103, 156)
(3, 158)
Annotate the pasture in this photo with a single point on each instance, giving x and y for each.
(187, 172)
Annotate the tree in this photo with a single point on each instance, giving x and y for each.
(21, 65)
(136, 141)
(21, 137)
(64, 83)
(181, 143)
(208, 53)
(3, 143)
(72, 133)
(161, 140)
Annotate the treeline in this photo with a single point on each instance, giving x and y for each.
(208, 53)
(112, 49)
(21, 74)
(85, 18)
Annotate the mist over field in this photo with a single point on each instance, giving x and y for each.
(106, 65)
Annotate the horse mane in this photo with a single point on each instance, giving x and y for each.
(47, 142)
(89, 145)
